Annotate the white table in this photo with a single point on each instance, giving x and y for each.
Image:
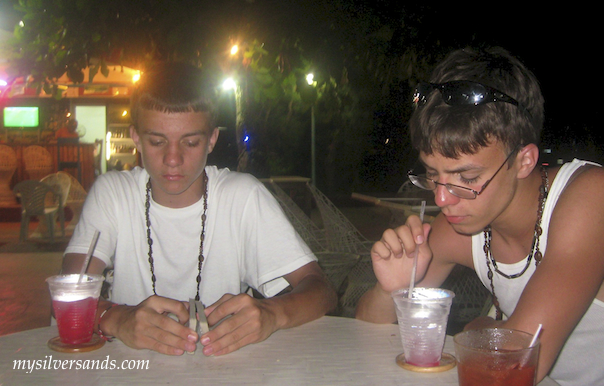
(328, 351)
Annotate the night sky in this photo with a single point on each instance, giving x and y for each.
(559, 43)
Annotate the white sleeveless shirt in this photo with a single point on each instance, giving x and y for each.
(580, 361)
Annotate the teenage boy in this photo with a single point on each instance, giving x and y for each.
(533, 235)
(179, 229)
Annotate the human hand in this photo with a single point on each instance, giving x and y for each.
(147, 325)
(392, 256)
(251, 321)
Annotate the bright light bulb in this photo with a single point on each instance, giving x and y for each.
(136, 77)
(310, 78)
(229, 84)
(234, 49)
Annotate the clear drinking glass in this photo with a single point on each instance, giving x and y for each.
(422, 321)
(497, 357)
(75, 305)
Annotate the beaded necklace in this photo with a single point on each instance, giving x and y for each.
(201, 237)
(535, 252)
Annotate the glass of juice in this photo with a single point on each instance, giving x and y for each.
(497, 357)
(75, 305)
(422, 321)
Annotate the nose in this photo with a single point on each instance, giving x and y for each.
(442, 197)
(173, 155)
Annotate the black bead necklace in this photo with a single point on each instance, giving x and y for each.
(201, 238)
(535, 252)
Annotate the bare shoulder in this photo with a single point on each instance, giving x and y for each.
(447, 245)
(584, 190)
(576, 225)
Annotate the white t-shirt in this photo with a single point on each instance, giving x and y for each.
(579, 362)
(248, 240)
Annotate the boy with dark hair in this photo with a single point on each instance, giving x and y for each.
(179, 229)
(533, 235)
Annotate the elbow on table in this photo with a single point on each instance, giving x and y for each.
(375, 307)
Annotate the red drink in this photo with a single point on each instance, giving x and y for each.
(75, 319)
(479, 374)
(496, 357)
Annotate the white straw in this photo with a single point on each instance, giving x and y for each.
(95, 238)
(524, 361)
(536, 335)
(415, 253)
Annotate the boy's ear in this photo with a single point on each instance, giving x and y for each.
(213, 139)
(135, 137)
(527, 160)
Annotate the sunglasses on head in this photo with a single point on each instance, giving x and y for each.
(462, 93)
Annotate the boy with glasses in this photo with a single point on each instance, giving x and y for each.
(533, 235)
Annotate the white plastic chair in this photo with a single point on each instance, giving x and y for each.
(35, 197)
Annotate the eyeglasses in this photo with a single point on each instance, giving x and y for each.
(423, 182)
(462, 93)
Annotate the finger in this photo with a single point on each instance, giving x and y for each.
(417, 228)
(144, 327)
(164, 305)
(160, 347)
(174, 335)
(230, 315)
(405, 239)
(228, 306)
(380, 251)
(210, 309)
(234, 333)
(392, 241)
(426, 229)
(248, 339)
(165, 323)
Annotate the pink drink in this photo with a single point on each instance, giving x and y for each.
(75, 319)
(75, 303)
(422, 358)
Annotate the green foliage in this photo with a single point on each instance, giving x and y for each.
(361, 55)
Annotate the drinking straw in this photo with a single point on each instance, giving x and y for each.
(534, 340)
(415, 253)
(525, 359)
(95, 238)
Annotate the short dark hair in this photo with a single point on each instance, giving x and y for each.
(173, 87)
(455, 130)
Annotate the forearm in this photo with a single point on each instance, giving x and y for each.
(376, 306)
(312, 298)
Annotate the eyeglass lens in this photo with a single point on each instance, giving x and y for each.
(428, 184)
